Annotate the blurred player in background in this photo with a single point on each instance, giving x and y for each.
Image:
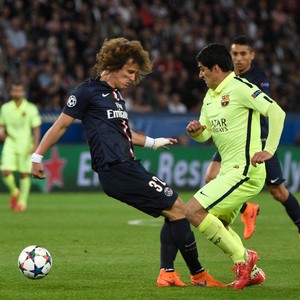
(98, 103)
(230, 115)
(20, 130)
(242, 54)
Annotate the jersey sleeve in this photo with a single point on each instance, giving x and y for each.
(36, 118)
(77, 102)
(276, 122)
(254, 98)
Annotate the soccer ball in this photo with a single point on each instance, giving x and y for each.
(35, 262)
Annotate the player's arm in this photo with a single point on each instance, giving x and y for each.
(197, 131)
(53, 134)
(276, 118)
(148, 142)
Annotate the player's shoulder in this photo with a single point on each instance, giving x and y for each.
(242, 86)
(30, 106)
(7, 105)
(256, 75)
(29, 103)
(258, 72)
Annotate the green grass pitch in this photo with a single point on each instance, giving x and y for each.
(103, 249)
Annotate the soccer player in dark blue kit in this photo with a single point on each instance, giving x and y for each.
(98, 103)
(242, 54)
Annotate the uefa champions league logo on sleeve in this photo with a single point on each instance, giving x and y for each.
(72, 101)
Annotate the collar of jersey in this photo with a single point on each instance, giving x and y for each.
(223, 83)
(23, 103)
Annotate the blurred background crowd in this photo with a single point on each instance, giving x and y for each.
(51, 46)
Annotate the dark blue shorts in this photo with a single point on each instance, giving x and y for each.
(132, 184)
(273, 169)
(217, 157)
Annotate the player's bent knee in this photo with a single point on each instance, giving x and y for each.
(192, 215)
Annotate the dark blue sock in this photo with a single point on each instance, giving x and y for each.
(185, 241)
(168, 248)
(292, 208)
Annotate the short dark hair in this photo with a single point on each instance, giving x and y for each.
(243, 40)
(215, 54)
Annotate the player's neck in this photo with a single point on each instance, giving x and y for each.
(108, 78)
(18, 102)
(239, 72)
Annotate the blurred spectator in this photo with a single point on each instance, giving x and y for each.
(162, 104)
(138, 101)
(175, 104)
(39, 39)
(15, 34)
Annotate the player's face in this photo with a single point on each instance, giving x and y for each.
(242, 57)
(211, 77)
(17, 92)
(126, 76)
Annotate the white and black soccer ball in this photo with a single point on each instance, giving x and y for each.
(35, 262)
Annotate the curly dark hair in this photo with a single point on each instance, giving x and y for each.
(116, 52)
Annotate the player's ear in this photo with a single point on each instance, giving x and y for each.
(215, 68)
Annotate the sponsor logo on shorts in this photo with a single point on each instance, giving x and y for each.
(274, 180)
(168, 192)
(203, 194)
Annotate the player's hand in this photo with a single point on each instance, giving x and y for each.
(160, 143)
(37, 171)
(195, 128)
(260, 157)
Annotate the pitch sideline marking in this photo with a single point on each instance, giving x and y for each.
(146, 222)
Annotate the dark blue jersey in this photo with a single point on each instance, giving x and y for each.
(259, 78)
(102, 111)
